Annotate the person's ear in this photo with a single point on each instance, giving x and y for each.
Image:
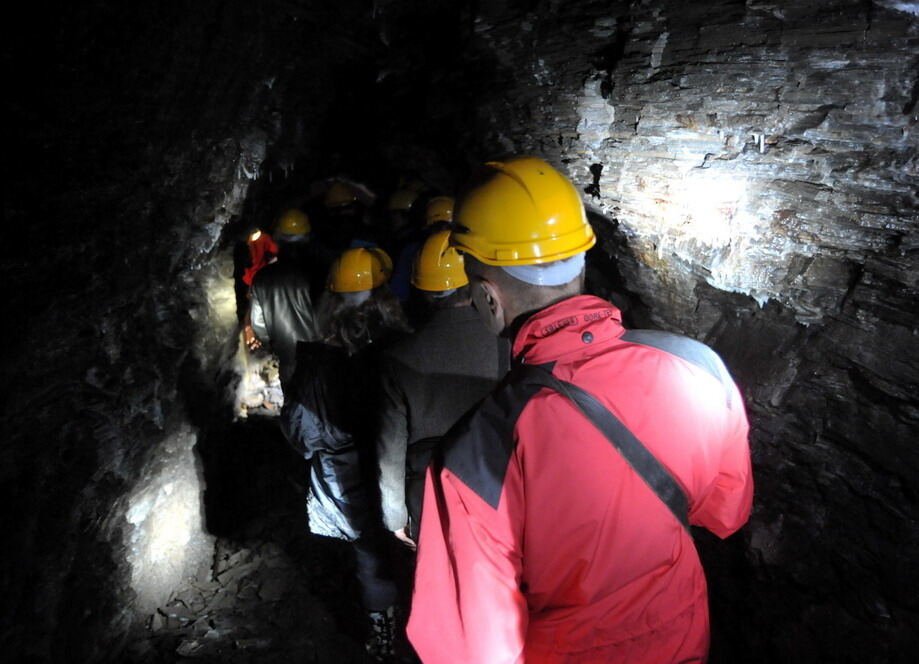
(492, 300)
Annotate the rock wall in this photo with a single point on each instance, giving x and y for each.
(137, 133)
(757, 164)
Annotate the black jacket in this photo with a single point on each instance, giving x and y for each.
(282, 311)
(328, 416)
(429, 380)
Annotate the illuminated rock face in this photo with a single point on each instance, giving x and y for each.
(760, 163)
(168, 545)
(737, 143)
(126, 312)
(756, 165)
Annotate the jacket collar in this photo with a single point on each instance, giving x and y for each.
(453, 315)
(578, 323)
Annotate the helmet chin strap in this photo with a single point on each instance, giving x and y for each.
(555, 273)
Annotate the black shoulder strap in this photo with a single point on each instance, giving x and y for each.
(633, 450)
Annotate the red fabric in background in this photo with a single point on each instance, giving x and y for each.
(261, 251)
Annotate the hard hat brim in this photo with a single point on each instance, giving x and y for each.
(515, 253)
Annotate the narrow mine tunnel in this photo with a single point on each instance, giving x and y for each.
(750, 168)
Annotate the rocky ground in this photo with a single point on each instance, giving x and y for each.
(274, 592)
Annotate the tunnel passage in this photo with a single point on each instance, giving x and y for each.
(270, 591)
(757, 192)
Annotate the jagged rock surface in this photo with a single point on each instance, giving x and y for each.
(799, 263)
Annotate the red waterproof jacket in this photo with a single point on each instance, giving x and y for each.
(260, 252)
(539, 543)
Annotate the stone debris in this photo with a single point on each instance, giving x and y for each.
(252, 644)
(190, 648)
(178, 611)
(259, 608)
(274, 594)
(273, 587)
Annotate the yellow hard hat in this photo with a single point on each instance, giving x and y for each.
(359, 269)
(523, 212)
(438, 266)
(339, 195)
(440, 208)
(402, 199)
(294, 222)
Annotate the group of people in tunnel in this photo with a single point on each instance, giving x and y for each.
(476, 424)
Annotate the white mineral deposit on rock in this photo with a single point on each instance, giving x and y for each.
(595, 113)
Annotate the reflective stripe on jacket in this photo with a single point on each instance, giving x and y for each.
(540, 544)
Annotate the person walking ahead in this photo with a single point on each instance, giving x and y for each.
(429, 380)
(540, 542)
(281, 310)
(329, 417)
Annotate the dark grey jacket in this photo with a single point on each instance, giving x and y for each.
(282, 312)
(429, 380)
(327, 418)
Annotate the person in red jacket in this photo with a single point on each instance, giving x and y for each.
(540, 542)
(262, 251)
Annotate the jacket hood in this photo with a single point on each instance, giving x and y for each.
(565, 327)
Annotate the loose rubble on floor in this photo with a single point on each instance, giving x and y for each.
(274, 593)
(257, 608)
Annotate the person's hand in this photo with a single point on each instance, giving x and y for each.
(252, 342)
(405, 539)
